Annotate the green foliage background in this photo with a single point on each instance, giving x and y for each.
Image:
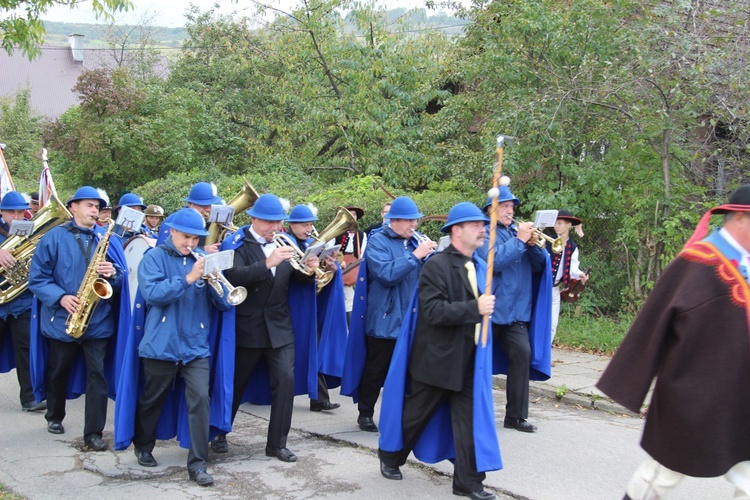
(624, 114)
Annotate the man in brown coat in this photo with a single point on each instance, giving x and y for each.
(692, 335)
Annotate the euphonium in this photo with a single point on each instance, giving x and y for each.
(92, 289)
(342, 222)
(14, 281)
(244, 200)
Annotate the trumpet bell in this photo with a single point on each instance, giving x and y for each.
(237, 296)
(342, 222)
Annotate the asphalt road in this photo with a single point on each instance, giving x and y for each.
(578, 453)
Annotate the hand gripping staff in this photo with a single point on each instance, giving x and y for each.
(497, 180)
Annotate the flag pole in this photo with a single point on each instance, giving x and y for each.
(494, 193)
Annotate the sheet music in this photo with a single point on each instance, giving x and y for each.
(545, 218)
(317, 249)
(130, 219)
(21, 228)
(443, 243)
(220, 260)
(222, 214)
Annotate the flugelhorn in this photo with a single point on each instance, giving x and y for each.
(215, 278)
(284, 240)
(557, 243)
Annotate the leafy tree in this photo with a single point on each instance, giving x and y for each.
(20, 130)
(21, 27)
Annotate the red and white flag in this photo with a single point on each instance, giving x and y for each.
(46, 184)
(6, 182)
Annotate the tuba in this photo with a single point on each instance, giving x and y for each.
(342, 222)
(244, 200)
(15, 280)
(92, 289)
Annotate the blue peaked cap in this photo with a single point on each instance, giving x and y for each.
(13, 200)
(463, 212)
(403, 207)
(267, 207)
(189, 221)
(505, 195)
(87, 193)
(301, 213)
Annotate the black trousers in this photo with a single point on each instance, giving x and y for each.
(19, 329)
(281, 370)
(514, 339)
(61, 356)
(158, 378)
(379, 354)
(419, 406)
(323, 396)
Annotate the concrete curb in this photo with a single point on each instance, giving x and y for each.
(549, 391)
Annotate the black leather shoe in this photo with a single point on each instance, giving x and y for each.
(54, 427)
(325, 406)
(201, 477)
(476, 495)
(145, 458)
(219, 444)
(96, 443)
(34, 406)
(366, 424)
(518, 424)
(282, 454)
(389, 472)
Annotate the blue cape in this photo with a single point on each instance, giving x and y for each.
(115, 348)
(540, 328)
(7, 359)
(173, 421)
(334, 330)
(436, 441)
(356, 348)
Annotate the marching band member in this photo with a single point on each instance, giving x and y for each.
(15, 316)
(315, 334)
(105, 212)
(353, 245)
(154, 216)
(570, 260)
(34, 203)
(521, 320)
(392, 263)
(171, 283)
(202, 195)
(439, 366)
(135, 202)
(58, 267)
(263, 324)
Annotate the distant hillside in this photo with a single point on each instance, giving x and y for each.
(57, 34)
(420, 19)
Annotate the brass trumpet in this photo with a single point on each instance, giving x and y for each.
(215, 278)
(557, 243)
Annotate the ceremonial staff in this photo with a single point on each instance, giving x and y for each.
(498, 179)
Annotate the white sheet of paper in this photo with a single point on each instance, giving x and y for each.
(544, 218)
(130, 219)
(21, 228)
(223, 214)
(219, 260)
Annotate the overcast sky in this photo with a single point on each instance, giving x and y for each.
(171, 13)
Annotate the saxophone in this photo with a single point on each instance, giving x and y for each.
(92, 289)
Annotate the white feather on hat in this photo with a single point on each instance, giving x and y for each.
(285, 204)
(313, 209)
(104, 196)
